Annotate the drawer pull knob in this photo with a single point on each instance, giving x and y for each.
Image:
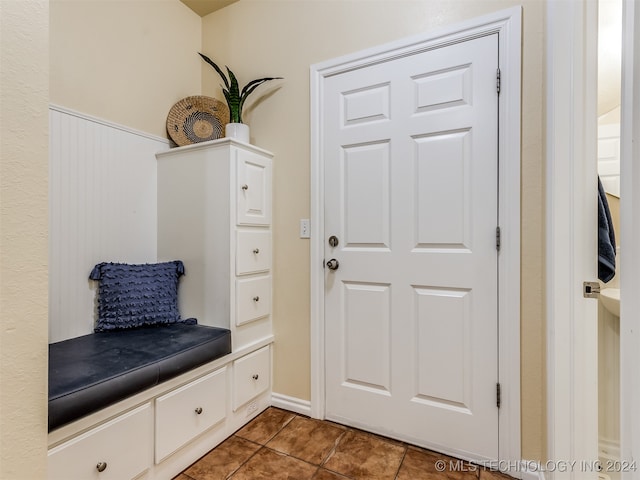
(256, 251)
(245, 187)
(256, 299)
(199, 410)
(101, 466)
(255, 376)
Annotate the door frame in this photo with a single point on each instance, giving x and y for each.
(507, 24)
(571, 257)
(630, 239)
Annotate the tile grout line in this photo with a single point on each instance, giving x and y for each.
(319, 466)
(188, 476)
(332, 451)
(404, 455)
(261, 446)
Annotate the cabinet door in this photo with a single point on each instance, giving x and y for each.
(251, 376)
(253, 189)
(253, 251)
(183, 414)
(118, 450)
(253, 299)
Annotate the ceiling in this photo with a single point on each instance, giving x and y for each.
(205, 7)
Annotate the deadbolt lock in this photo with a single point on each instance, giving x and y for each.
(333, 241)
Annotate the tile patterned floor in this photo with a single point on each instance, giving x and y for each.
(279, 445)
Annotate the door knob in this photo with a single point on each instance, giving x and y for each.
(333, 264)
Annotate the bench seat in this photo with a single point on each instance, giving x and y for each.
(94, 371)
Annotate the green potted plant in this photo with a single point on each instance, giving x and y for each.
(235, 99)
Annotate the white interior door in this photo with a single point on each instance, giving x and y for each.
(411, 187)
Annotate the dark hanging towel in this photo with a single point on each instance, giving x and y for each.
(606, 238)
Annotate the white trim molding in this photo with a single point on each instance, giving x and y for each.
(292, 404)
(630, 241)
(531, 470)
(107, 123)
(507, 24)
(571, 230)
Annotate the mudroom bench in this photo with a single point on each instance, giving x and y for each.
(147, 403)
(93, 371)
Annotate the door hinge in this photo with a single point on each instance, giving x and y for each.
(590, 289)
(498, 395)
(498, 238)
(498, 77)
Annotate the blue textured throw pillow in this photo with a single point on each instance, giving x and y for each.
(132, 296)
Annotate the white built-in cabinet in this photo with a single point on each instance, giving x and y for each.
(214, 214)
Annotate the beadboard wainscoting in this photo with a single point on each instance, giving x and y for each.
(102, 207)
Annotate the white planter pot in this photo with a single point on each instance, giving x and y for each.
(239, 131)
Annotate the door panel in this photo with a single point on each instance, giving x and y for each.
(366, 195)
(367, 347)
(411, 181)
(365, 105)
(442, 178)
(443, 89)
(442, 330)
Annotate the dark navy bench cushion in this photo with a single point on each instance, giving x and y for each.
(93, 371)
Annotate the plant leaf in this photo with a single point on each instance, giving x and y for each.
(234, 89)
(258, 81)
(216, 68)
(235, 98)
(235, 105)
(251, 86)
(226, 95)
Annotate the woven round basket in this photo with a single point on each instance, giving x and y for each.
(197, 119)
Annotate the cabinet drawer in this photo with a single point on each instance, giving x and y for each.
(253, 251)
(253, 299)
(188, 411)
(123, 446)
(251, 376)
(253, 189)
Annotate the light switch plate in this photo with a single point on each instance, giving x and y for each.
(305, 228)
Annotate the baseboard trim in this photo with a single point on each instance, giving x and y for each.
(609, 449)
(522, 469)
(293, 404)
(531, 470)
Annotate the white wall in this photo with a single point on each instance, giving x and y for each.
(102, 202)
